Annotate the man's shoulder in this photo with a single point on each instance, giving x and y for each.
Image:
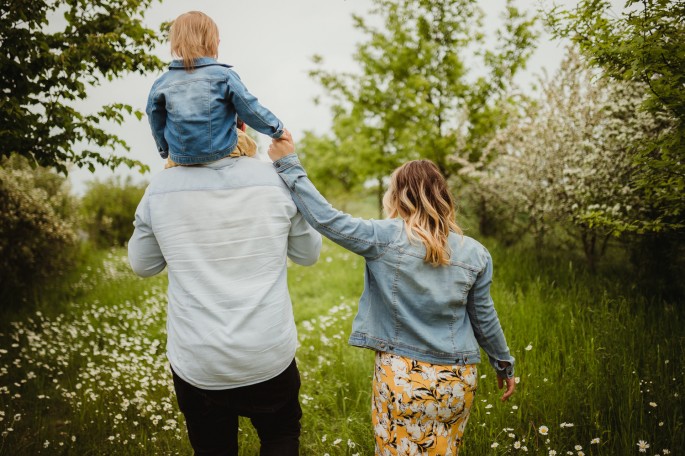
(260, 173)
(222, 175)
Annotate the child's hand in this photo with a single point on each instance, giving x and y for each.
(282, 146)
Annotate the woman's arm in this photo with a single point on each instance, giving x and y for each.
(487, 328)
(355, 234)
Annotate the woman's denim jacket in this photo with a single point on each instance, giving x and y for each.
(193, 114)
(435, 314)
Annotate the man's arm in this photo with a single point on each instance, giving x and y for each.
(144, 253)
(304, 243)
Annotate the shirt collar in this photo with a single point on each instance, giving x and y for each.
(200, 62)
(220, 163)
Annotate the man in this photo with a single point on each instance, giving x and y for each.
(224, 230)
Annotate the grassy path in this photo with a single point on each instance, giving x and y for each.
(595, 362)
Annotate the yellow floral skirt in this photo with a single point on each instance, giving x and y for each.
(420, 408)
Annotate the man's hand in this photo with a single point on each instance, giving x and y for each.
(511, 386)
(282, 146)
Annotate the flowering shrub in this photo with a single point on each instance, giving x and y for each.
(568, 160)
(36, 224)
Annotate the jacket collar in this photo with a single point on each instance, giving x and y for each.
(201, 62)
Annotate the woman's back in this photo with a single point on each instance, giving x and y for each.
(413, 308)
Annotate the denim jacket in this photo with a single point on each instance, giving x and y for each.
(193, 114)
(439, 314)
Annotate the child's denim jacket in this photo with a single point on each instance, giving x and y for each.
(439, 314)
(193, 114)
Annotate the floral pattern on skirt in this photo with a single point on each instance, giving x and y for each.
(420, 408)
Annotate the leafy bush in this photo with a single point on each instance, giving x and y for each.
(37, 234)
(108, 208)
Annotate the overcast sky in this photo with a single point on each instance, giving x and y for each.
(270, 44)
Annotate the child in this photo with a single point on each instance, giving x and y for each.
(246, 146)
(193, 107)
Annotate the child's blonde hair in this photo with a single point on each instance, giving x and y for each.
(418, 193)
(194, 35)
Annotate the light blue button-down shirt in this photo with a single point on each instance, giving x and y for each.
(224, 231)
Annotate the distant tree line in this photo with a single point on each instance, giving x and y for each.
(594, 156)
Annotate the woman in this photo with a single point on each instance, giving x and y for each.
(425, 308)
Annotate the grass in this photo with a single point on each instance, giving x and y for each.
(87, 374)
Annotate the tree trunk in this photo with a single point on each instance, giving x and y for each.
(484, 220)
(589, 247)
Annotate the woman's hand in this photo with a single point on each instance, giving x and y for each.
(282, 146)
(511, 386)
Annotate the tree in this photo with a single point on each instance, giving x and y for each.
(568, 160)
(646, 45)
(340, 170)
(416, 95)
(43, 72)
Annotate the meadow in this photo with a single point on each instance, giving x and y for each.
(599, 365)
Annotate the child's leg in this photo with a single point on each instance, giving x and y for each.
(246, 146)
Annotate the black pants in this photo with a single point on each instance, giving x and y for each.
(273, 407)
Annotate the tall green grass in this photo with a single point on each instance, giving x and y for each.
(91, 377)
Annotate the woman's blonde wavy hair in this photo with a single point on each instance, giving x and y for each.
(418, 193)
(193, 35)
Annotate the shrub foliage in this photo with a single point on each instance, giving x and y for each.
(108, 208)
(37, 224)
